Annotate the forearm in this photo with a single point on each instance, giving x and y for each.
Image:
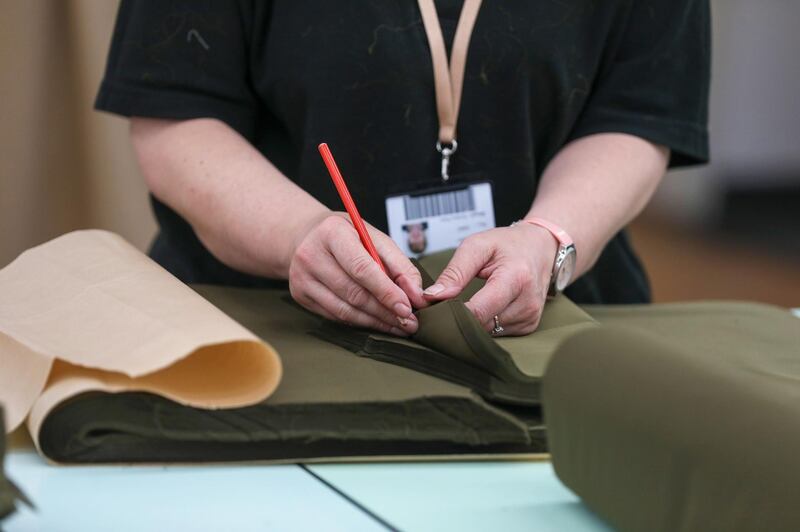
(595, 186)
(243, 209)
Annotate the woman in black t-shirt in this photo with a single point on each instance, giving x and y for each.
(572, 110)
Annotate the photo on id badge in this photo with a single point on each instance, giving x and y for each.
(426, 221)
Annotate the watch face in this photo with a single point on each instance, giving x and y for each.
(566, 269)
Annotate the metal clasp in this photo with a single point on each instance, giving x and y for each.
(446, 152)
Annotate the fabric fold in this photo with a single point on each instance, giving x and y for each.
(87, 311)
(680, 417)
(331, 405)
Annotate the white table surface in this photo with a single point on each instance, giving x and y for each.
(177, 498)
(504, 496)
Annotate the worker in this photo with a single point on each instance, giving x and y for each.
(526, 135)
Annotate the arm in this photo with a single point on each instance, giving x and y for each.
(254, 219)
(241, 207)
(595, 186)
(592, 188)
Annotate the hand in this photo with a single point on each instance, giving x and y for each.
(331, 274)
(516, 262)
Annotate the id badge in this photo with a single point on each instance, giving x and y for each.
(427, 221)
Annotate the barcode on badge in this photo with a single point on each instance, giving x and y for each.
(438, 204)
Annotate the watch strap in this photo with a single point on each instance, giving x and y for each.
(562, 236)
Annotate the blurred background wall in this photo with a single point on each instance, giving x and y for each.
(727, 230)
(731, 229)
(62, 166)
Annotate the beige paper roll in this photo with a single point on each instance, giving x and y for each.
(89, 312)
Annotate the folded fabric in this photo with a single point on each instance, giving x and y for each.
(452, 344)
(329, 404)
(89, 312)
(681, 417)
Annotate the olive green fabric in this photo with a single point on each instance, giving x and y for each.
(681, 417)
(10, 495)
(452, 345)
(330, 403)
(7, 498)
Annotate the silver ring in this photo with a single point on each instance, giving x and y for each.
(498, 329)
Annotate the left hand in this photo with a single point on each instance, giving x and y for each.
(516, 262)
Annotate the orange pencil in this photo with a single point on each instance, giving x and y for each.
(349, 204)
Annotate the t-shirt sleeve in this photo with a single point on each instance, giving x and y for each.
(655, 83)
(180, 59)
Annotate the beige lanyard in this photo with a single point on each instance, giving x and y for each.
(448, 81)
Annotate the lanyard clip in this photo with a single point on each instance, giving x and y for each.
(446, 152)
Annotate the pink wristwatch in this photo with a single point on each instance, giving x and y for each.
(564, 265)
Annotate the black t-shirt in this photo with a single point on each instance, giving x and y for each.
(289, 74)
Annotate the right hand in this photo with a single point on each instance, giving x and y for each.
(331, 274)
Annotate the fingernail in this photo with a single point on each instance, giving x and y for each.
(402, 310)
(409, 325)
(406, 322)
(434, 289)
(398, 332)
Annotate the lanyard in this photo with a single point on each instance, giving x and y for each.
(448, 81)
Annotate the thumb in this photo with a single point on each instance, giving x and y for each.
(468, 260)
